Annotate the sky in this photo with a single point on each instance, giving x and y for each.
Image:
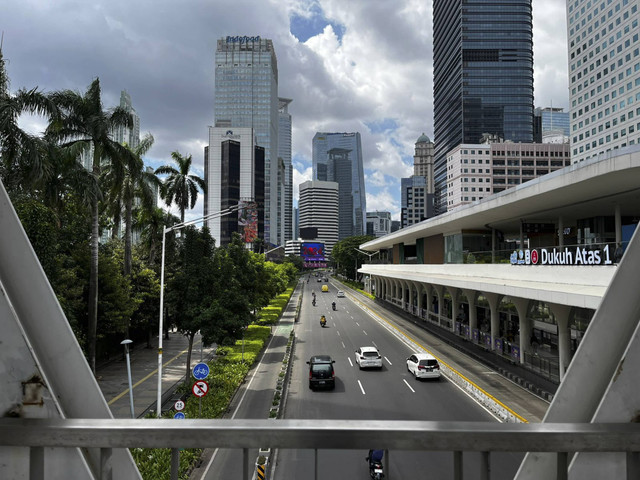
(349, 66)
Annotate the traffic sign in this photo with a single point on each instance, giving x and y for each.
(179, 416)
(201, 371)
(200, 388)
(178, 406)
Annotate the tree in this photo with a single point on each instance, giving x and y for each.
(180, 186)
(346, 255)
(21, 153)
(84, 123)
(128, 182)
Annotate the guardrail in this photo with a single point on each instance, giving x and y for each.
(456, 437)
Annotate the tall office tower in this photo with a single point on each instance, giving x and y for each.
(604, 76)
(346, 147)
(318, 207)
(416, 204)
(284, 152)
(378, 223)
(246, 95)
(423, 161)
(483, 76)
(234, 172)
(122, 134)
(551, 119)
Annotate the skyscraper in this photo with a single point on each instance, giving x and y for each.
(122, 134)
(604, 76)
(319, 209)
(233, 172)
(337, 157)
(483, 76)
(246, 95)
(284, 152)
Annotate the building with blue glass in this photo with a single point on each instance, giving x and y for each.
(483, 76)
(246, 95)
(337, 157)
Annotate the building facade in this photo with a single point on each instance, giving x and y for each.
(318, 208)
(604, 76)
(477, 171)
(246, 95)
(234, 172)
(284, 152)
(423, 161)
(332, 154)
(416, 203)
(123, 134)
(550, 120)
(378, 223)
(483, 76)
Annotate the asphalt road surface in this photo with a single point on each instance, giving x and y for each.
(391, 393)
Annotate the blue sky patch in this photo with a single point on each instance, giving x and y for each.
(303, 28)
(383, 125)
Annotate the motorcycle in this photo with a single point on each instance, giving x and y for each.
(313, 302)
(333, 305)
(376, 470)
(323, 321)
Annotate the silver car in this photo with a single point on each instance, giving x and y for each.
(368, 357)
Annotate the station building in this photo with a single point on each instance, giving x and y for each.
(519, 273)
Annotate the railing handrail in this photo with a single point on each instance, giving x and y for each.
(318, 434)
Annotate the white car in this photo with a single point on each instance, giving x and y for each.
(368, 357)
(423, 365)
(340, 294)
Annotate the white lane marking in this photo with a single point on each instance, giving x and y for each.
(343, 345)
(365, 332)
(388, 361)
(405, 381)
(352, 317)
(357, 324)
(361, 387)
(374, 344)
(350, 362)
(337, 331)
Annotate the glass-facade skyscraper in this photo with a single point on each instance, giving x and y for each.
(284, 152)
(337, 157)
(246, 95)
(483, 76)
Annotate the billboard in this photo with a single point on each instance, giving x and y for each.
(312, 251)
(248, 221)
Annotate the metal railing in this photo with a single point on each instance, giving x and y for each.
(455, 437)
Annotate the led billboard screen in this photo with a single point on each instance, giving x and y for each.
(312, 252)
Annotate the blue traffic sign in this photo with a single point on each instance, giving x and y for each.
(201, 371)
(179, 416)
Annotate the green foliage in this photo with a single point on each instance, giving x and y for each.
(346, 255)
(271, 314)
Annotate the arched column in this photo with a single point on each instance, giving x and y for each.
(438, 289)
(454, 292)
(419, 288)
(494, 300)
(473, 311)
(562, 312)
(403, 297)
(524, 324)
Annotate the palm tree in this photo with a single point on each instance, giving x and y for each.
(128, 184)
(85, 123)
(23, 162)
(180, 186)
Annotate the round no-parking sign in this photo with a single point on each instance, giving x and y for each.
(200, 388)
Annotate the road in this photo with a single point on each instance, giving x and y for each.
(388, 394)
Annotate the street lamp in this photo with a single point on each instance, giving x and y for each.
(370, 255)
(126, 352)
(166, 230)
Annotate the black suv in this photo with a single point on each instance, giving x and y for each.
(321, 373)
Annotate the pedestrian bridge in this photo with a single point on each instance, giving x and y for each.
(57, 424)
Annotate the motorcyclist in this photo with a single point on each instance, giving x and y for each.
(333, 305)
(323, 320)
(313, 302)
(375, 461)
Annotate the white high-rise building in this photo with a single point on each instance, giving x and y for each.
(318, 207)
(604, 75)
(246, 95)
(122, 134)
(284, 152)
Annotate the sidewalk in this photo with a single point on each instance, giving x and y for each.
(113, 381)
